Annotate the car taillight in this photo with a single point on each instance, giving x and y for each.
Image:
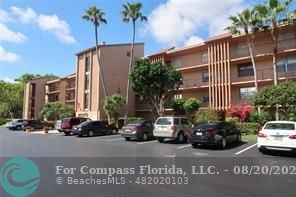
(136, 128)
(293, 137)
(211, 132)
(66, 126)
(262, 135)
(174, 128)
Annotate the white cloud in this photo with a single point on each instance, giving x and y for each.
(57, 27)
(7, 79)
(193, 40)
(48, 23)
(24, 15)
(176, 21)
(4, 16)
(8, 57)
(11, 36)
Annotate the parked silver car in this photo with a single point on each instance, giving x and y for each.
(177, 128)
(15, 124)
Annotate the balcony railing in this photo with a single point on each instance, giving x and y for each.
(264, 75)
(193, 83)
(70, 85)
(261, 49)
(53, 88)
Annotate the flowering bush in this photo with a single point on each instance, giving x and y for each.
(241, 111)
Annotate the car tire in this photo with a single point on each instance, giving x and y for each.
(90, 134)
(127, 138)
(113, 132)
(145, 137)
(223, 144)
(262, 150)
(18, 127)
(160, 139)
(180, 137)
(194, 145)
(67, 134)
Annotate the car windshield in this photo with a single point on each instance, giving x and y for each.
(280, 126)
(85, 123)
(164, 121)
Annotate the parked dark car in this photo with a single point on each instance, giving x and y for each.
(215, 134)
(139, 130)
(68, 123)
(91, 128)
(37, 124)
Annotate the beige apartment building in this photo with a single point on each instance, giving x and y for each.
(219, 71)
(61, 90)
(114, 60)
(34, 97)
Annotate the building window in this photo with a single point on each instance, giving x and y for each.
(178, 96)
(205, 77)
(245, 70)
(246, 94)
(205, 58)
(176, 63)
(128, 53)
(86, 100)
(87, 64)
(206, 100)
(286, 64)
(87, 82)
(33, 89)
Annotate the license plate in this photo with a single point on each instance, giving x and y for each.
(198, 133)
(278, 139)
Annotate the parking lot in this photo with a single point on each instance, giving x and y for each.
(57, 145)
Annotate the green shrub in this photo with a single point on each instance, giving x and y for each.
(131, 119)
(234, 120)
(178, 106)
(261, 118)
(4, 120)
(206, 114)
(249, 128)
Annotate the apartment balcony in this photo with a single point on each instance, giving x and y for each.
(142, 107)
(264, 49)
(71, 86)
(263, 76)
(52, 90)
(193, 84)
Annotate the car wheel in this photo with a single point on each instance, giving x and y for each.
(90, 134)
(18, 127)
(223, 143)
(160, 139)
(127, 138)
(262, 150)
(180, 138)
(67, 134)
(194, 145)
(145, 137)
(113, 132)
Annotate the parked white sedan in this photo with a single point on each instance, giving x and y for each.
(277, 135)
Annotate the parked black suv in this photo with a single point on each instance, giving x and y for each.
(140, 130)
(215, 134)
(37, 124)
(91, 128)
(68, 123)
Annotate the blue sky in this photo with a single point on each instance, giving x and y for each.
(42, 36)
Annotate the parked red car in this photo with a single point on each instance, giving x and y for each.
(68, 123)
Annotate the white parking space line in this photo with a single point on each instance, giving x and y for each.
(185, 146)
(107, 136)
(246, 149)
(111, 140)
(148, 142)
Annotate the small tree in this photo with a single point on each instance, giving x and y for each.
(191, 106)
(206, 115)
(111, 105)
(178, 106)
(57, 111)
(260, 118)
(152, 81)
(242, 111)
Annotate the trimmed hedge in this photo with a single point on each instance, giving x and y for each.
(249, 128)
(4, 120)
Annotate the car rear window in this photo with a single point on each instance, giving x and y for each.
(164, 121)
(206, 126)
(132, 124)
(85, 123)
(66, 121)
(280, 126)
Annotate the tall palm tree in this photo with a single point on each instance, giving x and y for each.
(131, 12)
(246, 21)
(272, 13)
(96, 16)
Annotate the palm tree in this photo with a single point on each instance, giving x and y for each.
(246, 21)
(272, 13)
(131, 12)
(96, 16)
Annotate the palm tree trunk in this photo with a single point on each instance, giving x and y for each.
(274, 62)
(99, 62)
(129, 70)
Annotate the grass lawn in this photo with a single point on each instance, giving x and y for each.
(250, 138)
